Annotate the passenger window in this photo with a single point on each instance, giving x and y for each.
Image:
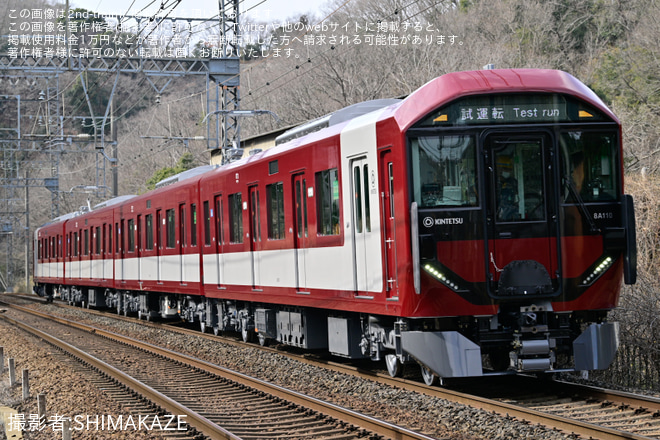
(182, 225)
(193, 224)
(358, 199)
(171, 231)
(98, 240)
(149, 231)
(219, 213)
(131, 235)
(275, 196)
(327, 202)
(235, 218)
(207, 224)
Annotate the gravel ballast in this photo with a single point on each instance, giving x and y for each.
(433, 416)
(68, 393)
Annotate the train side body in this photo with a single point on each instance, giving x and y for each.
(49, 267)
(155, 252)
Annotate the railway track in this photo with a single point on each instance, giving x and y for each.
(584, 411)
(631, 414)
(219, 403)
(134, 404)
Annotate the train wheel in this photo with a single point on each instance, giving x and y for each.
(202, 326)
(394, 366)
(262, 339)
(216, 330)
(140, 315)
(246, 335)
(429, 377)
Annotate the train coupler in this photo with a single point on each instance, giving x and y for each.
(532, 354)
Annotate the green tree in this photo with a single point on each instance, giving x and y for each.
(186, 162)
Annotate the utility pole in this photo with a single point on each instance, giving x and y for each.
(27, 231)
(230, 90)
(113, 164)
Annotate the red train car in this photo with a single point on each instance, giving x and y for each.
(49, 256)
(88, 256)
(478, 226)
(158, 260)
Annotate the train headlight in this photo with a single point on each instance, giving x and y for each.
(599, 270)
(440, 276)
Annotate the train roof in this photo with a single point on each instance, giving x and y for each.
(442, 90)
(61, 218)
(451, 86)
(113, 201)
(188, 174)
(85, 210)
(334, 118)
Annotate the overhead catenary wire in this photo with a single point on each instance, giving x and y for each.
(269, 84)
(264, 60)
(164, 5)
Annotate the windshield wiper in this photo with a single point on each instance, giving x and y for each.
(568, 182)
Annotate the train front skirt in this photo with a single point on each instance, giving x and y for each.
(454, 355)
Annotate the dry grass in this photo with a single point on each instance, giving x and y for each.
(639, 306)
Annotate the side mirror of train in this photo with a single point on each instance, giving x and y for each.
(624, 239)
(630, 251)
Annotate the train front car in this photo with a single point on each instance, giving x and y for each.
(521, 231)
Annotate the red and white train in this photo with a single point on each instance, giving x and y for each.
(476, 227)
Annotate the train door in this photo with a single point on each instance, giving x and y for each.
(301, 234)
(361, 208)
(389, 231)
(89, 252)
(120, 247)
(110, 257)
(219, 239)
(521, 209)
(159, 244)
(138, 246)
(80, 254)
(181, 243)
(104, 252)
(255, 235)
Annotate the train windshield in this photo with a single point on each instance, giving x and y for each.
(444, 170)
(589, 165)
(519, 186)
